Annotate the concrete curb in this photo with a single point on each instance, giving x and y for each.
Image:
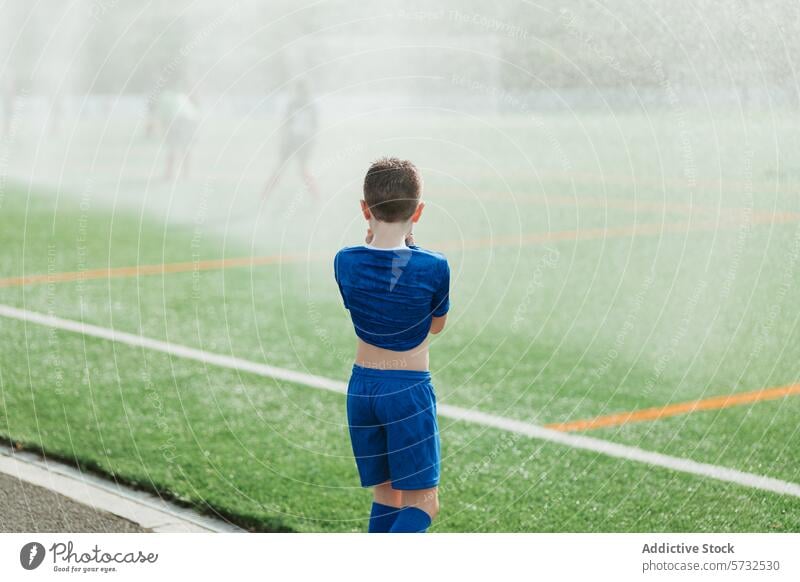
(147, 510)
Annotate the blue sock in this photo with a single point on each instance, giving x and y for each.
(382, 517)
(411, 520)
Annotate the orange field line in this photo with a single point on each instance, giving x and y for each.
(715, 403)
(649, 229)
(453, 245)
(165, 268)
(718, 183)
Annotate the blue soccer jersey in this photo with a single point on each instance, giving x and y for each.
(393, 294)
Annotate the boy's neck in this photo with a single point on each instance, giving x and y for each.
(389, 235)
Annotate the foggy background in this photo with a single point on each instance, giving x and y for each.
(84, 83)
(97, 54)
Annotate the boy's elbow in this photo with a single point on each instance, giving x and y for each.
(437, 324)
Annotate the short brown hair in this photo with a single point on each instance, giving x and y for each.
(392, 189)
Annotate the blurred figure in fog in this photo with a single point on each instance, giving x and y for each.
(152, 122)
(299, 128)
(179, 116)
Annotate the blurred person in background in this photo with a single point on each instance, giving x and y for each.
(152, 121)
(298, 131)
(179, 115)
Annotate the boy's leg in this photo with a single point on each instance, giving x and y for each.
(385, 508)
(385, 495)
(420, 507)
(409, 416)
(272, 182)
(425, 499)
(368, 438)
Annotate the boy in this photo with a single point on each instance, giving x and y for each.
(396, 293)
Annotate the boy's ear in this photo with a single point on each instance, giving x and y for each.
(365, 210)
(418, 212)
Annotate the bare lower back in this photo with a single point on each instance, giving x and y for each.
(370, 356)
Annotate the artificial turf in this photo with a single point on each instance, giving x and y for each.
(544, 332)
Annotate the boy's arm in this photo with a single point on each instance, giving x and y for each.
(441, 300)
(338, 281)
(438, 323)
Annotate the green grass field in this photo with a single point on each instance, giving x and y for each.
(659, 289)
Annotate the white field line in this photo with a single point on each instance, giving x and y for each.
(575, 441)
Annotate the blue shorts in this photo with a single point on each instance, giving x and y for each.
(393, 429)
